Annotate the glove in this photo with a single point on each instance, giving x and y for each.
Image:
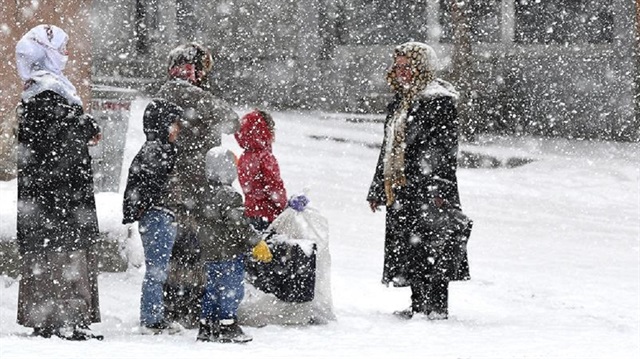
(262, 253)
(298, 203)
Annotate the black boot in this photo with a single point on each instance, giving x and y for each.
(209, 331)
(418, 301)
(77, 334)
(404, 314)
(230, 332)
(438, 300)
(43, 332)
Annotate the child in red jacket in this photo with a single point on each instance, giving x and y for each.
(258, 170)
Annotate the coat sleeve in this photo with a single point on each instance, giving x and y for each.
(376, 189)
(220, 118)
(274, 186)
(148, 176)
(131, 202)
(89, 126)
(236, 223)
(446, 141)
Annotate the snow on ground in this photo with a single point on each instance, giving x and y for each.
(554, 258)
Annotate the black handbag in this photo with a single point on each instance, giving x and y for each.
(290, 276)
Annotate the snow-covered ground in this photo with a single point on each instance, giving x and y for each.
(554, 258)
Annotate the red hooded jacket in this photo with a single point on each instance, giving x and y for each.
(258, 170)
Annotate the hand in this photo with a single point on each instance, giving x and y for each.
(94, 141)
(374, 205)
(440, 202)
(262, 252)
(298, 203)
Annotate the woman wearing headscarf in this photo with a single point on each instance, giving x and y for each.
(57, 221)
(415, 178)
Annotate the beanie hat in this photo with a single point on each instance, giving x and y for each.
(220, 165)
(158, 117)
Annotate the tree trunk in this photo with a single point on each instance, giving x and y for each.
(462, 62)
(142, 33)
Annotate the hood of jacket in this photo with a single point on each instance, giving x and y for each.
(158, 117)
(439, 88)
(254, 133)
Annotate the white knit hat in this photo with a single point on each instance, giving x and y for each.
(220, 165)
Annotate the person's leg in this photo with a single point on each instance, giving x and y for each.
(231, 290)
(438, 299)
(210, 308)
(211, 298)
(231, 287)
(157, 232)
(418, 297)
(418, 301)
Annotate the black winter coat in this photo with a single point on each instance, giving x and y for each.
(412, 238)
(148, 181)
(56, 203)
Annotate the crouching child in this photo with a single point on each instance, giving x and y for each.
(145, 198)
(224, 239)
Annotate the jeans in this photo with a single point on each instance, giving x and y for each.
(260, 224)
(224, 289)
(158, 233)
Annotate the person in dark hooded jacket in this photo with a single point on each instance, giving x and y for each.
(426, 231)
(145, 200)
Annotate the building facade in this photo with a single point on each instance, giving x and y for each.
(543, 67)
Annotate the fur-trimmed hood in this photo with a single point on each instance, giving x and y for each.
(439, 88)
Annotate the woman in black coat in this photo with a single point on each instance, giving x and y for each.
(57, 221)
(415, 177)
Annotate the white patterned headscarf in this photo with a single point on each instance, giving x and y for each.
(423, 63)
(41, 56)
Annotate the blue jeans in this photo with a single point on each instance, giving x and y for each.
(158, 233)
(224, 290)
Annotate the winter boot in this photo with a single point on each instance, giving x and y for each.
(44, 332)
(230, 332)
(209, 331)
(161, 327)
(77, 334)
(438, 300)
(435, 315)
(404, 314)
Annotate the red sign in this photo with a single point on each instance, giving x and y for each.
(101, 105)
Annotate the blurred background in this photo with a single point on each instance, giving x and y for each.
(543, 67)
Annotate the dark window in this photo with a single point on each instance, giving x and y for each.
(483, 16)
(563, 21)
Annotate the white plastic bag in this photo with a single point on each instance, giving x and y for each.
(259, 308)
